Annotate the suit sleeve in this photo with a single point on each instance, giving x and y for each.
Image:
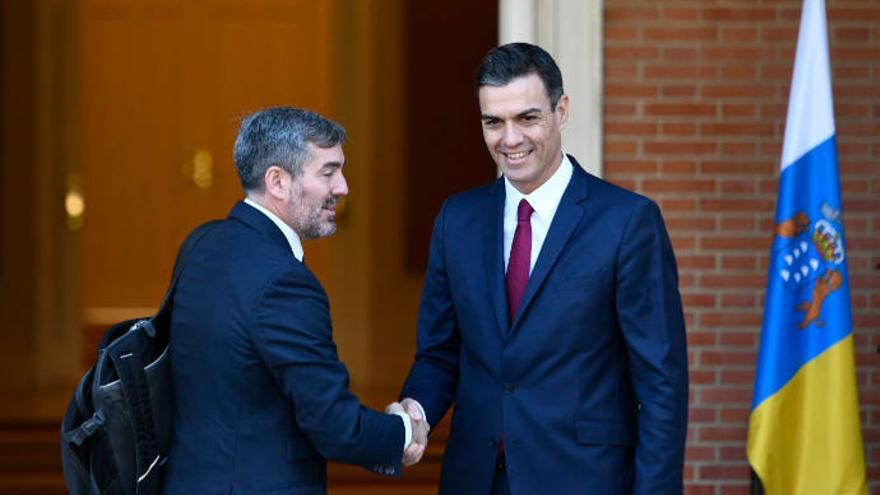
(293, 336)
(433, 378)
(650, 314)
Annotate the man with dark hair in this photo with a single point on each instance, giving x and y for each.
(550, 314)
(261, 398)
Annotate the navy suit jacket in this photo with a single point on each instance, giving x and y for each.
(588, 383)
(261, 398)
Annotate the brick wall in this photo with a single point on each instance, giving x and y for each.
(696, 95)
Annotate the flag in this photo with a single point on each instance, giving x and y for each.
(804, 430)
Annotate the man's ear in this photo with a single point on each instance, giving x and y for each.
(277, 182)
(562, 110)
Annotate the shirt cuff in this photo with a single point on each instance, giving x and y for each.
(407, 428)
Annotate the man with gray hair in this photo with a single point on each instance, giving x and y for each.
(261, 398)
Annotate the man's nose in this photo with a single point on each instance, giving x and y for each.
(340, 186)
(512, 137)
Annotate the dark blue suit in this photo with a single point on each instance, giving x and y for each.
(589, 383)
(261, 398)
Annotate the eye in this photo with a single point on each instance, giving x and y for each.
(491, 122)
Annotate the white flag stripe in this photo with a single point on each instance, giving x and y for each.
(810, 118)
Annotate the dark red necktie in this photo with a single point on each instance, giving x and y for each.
(520, 258)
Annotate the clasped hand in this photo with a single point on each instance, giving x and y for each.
(420, 428)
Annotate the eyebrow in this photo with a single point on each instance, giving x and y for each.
(520, 114)
(331, 165)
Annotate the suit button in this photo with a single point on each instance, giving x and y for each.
(508, 388)
(493, 442)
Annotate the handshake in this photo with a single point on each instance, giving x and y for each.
(420, 428)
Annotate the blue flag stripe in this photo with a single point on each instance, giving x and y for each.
(811, 259)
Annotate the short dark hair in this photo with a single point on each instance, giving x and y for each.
(508, 62)
(278, 136)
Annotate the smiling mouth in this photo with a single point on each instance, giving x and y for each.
(516, 156)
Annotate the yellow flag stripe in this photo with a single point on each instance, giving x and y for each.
(806, 439)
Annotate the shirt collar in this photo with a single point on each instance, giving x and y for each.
(545, 199)
(289, 233)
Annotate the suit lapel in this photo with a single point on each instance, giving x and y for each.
(493, 240)
(567, 217)
(258, 221)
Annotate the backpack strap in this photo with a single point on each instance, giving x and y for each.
(133, 379)
(163, 316)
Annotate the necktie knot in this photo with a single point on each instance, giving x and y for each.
(524, 211)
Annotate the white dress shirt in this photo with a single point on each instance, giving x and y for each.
(297, 248)
(544, 200)
(289, 234)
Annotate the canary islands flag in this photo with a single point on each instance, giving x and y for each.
(804, 433)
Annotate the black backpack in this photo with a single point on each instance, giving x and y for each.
(118, 427)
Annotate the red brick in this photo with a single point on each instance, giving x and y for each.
(630, 167)
(739, 34)
(750, 167)
(725, 395)
(666, 71)
(733, 281)
(738, 150)
(625, 72)
(702, 377)
(680, 147)
(737, 53)
(697, 300)
(699, 489)
(614, 14)
(686, 167)
(691, 223)
(680, 110)
(679, 14)
(726, 357)
(613, 110)
(709, 33)
(738, 300)
(678, 129)
(737, 453)
(737, 91)
(631, 128)
(842, 73)
(852, 34)
(621, 32)
(736, 224)
(623, 147)
(677, 205)
(737, 377)
(619, 90)
(678, 91)
(735, 205)
(701, 415)
(730, 186)
(727, 319)
(723, 433)
(630, 52)
(677, 54)
(738, 243)
(784, 34)
(701, 338)
(693, 453)
(738, 110)
(723, 472)
(748, 14)
(853, 14)
(736, 262)
(738, 72)
(738, 415)
(654, 186)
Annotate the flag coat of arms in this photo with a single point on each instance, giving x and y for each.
(804, 427)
